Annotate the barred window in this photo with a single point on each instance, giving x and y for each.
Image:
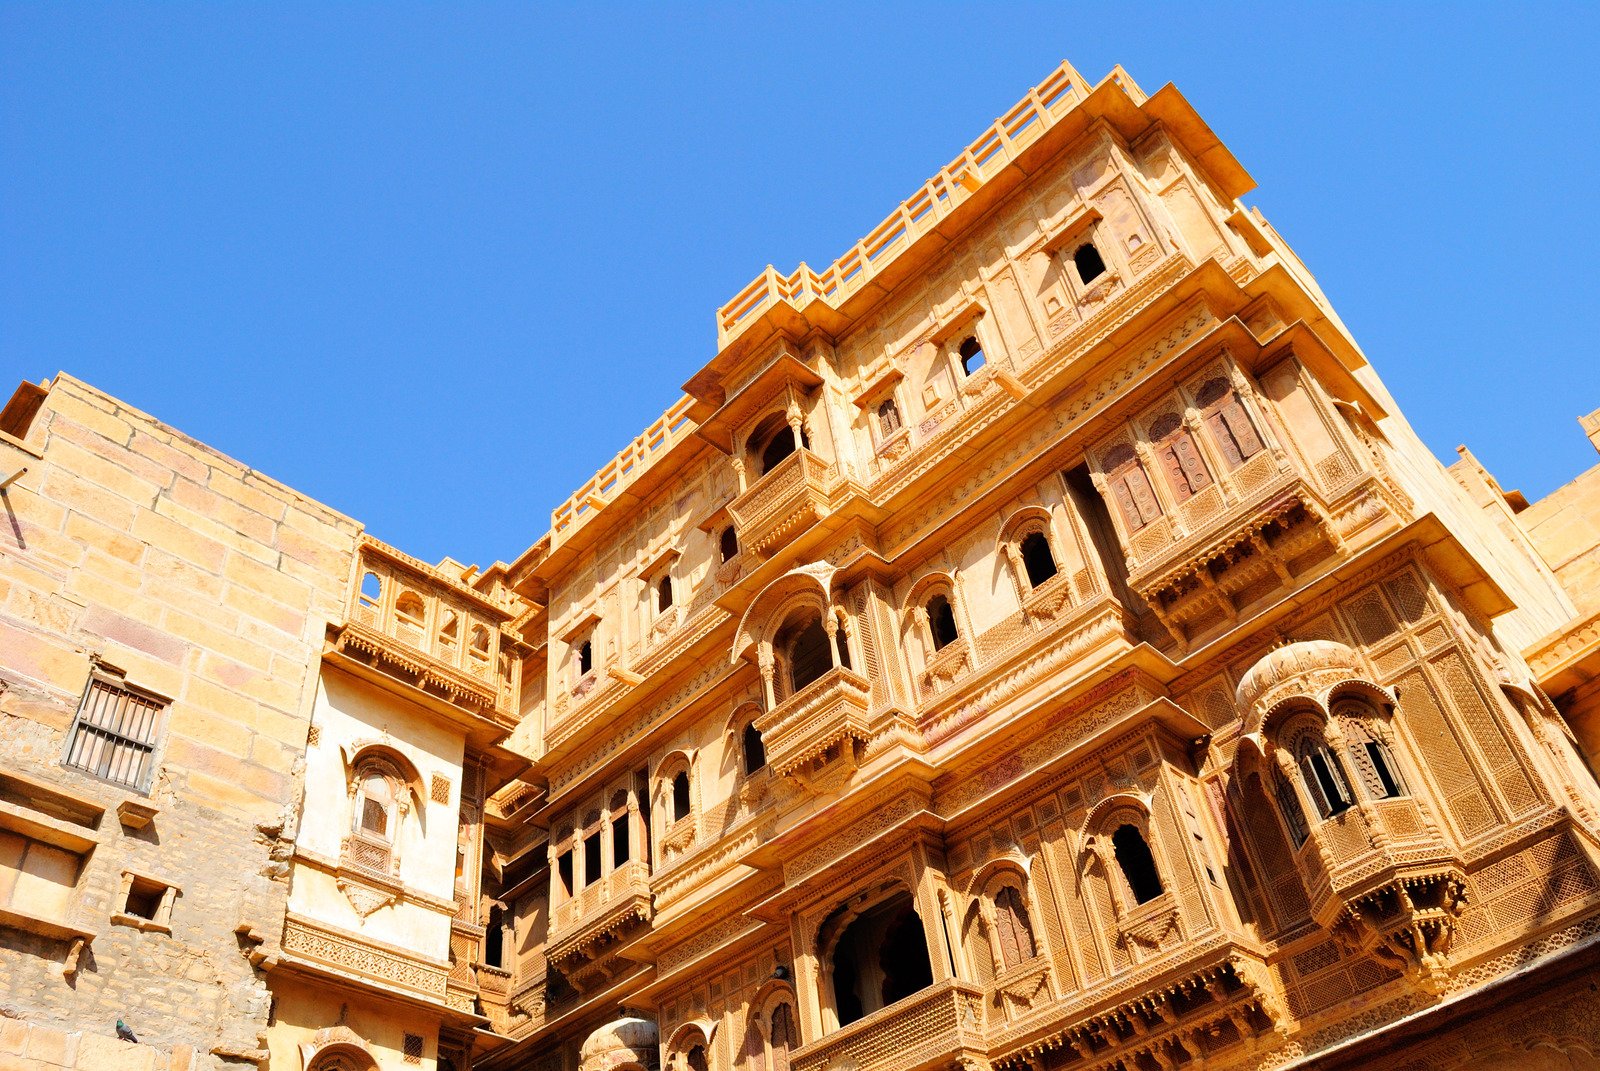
(114, 734)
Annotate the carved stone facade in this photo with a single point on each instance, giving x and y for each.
(1035, 641)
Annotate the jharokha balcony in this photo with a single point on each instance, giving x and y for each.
(941, 1026)
(784, 502)
(820, 726)
(586, 925)
(1251, 532)
(413, 626)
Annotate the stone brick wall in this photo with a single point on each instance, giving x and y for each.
(205, 582)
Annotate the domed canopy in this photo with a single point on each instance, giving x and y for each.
(620, 1042)
(1308, 668)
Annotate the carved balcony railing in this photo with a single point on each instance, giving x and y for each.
(654, 443)
(937, 1027)
(1251, 531)
(581, 927)
(783, 503)
(826, 720)
(420, 625)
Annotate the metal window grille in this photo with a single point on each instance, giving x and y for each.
(413, 1049)
(114, 735)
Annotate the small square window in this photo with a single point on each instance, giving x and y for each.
(146, 903)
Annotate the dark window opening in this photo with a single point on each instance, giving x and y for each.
(1378, 755)
(664, 594)
(808, 655)
(697, 1059)
(1325, 781)
(972, 357)
(942, 621)
(620, 848)
(778, 447)
(144, 899)
(494, 939)
(585, 657)
(1289, 806)
(680, 796)
(564, 872)
(729, 544)
(1138, 865)
(641, 792)
(1037, 560)
(888, 417)
(591, 859)
(842, 640)
(755, 749)
(1089, 263)
(881, 957)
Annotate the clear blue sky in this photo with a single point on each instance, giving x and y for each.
(435, 264)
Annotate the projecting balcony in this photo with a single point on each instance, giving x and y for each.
(937, 1027)
(411, 624)
(583, 926)
(783, 503)
(1249, 533)
(823, 722)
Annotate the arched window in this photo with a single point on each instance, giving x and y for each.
(729, 544)
(888, 418)
(1289, 807)
(1384, 769)
(1138, 865)
(1179, 457)
(478, 648)
(585, 657)
(1012, 926)
(664, 593)
(780, 446)
(1375, 765)
(696, 1059)
(680, 796)
(494, 938)
(449, 635)
(808, 655)
(621, 840)
(782, 1036)
(1088, 262)
(592, 863)
(1131, 488)
(410, 608)
(377, 797)
(755, 749)
(371, 589)
(1227, 420)
(971, 355)
(1037, 561)
(942, 622)
(1324, 779)
(879, 958)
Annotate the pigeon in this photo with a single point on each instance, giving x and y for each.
(125, 1034)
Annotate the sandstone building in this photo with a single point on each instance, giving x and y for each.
(1035, 641)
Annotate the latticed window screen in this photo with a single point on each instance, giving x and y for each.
(114, 735)
(413, 1049)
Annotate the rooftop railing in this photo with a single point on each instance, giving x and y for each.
(622, 470)
(1014, 131)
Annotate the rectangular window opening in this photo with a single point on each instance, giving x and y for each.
(113, 736)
